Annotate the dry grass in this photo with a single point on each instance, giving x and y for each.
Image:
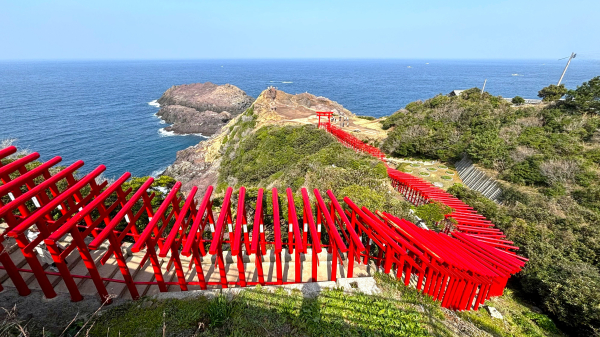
(11, 325)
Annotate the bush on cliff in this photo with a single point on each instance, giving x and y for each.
(518, 100)
(432, 213)
(524, 144)
(586, 98)
(552, 92)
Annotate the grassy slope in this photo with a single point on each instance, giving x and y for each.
(397, 311)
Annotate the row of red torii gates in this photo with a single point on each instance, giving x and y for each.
(461, 267)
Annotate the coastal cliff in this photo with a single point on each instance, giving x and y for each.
(201, 108)
(199, 165)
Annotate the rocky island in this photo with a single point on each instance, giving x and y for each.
(201, 108)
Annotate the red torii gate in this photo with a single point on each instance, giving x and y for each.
(461, 269)
(326, 114)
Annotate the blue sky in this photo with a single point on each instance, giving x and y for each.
(183, 29)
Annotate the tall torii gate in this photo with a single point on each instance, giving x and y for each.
(326, 114)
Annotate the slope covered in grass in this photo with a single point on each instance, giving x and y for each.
(396, 311)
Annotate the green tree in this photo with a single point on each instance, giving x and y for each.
(432, 213)
(518, 100)
(586, 98)
(552, 92)
(486, 147)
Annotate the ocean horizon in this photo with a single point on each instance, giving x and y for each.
(103, 113)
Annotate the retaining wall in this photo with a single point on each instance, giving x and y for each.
(477, 180)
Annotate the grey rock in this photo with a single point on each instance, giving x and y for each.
(192, 108)
(494, 312)
(366, 285)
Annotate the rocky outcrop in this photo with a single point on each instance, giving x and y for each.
(199, 165)
(201, 108)
(272, 105)
(186, 120)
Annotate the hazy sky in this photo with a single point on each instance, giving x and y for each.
(185, 29)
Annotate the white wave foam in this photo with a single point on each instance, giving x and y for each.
(158, 172)
(162, 121)
(154, 104)
(287, 82)
(164, 133)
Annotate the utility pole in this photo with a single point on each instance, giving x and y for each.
(564, 71)
(482, 89)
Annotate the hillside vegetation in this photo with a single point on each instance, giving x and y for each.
(548, 159)
(304, 156)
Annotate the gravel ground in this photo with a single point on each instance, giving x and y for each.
(36, 312)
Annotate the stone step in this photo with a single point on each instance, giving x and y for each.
(145, 272)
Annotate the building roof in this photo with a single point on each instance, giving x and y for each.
(455, 93)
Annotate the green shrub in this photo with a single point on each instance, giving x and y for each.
(552, 92)
(586, 98)
(432, 212)
(364, 196)
(518, 100)
(555, 190)
(526, 173)
(586, 178)
(391, 121)
(219, 311)
(542, 321)
(511, 195)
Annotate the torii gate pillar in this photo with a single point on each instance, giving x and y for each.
(326, 114)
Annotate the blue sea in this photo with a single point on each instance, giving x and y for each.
(99, 111)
